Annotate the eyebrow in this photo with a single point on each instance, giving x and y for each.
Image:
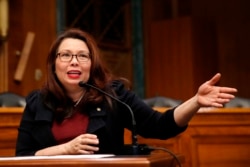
(81, 51)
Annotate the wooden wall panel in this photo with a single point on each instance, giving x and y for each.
(26, 16)
(169, 70)
(3, 66)
(180, 57)
(218, 42)
(221, 151)
(233, 47)
(215, 137)
(9, 122)
(231, 24)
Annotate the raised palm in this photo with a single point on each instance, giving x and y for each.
(210, 95)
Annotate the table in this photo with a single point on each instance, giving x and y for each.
(153, 160)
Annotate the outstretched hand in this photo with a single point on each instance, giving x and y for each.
(210, 95)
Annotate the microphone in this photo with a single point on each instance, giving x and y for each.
(128, 149)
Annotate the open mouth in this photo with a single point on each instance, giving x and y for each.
(74, 74)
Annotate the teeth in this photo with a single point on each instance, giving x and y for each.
(73, 72)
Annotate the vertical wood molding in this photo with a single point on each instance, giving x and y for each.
(4, 67)
(175, 11)
(137, 49)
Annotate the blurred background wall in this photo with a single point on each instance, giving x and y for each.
(164, 47)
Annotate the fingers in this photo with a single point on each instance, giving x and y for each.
(222, 98)
(219, 102)
(88, 149)
(88, 136)
(226, 96)
(83, 144)
(88, 142)
(227, 90)
(215, 79)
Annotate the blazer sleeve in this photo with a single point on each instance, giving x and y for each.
(149, 123)
(34, 129)
(24, 143)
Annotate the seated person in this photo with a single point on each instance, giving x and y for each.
(64, 118)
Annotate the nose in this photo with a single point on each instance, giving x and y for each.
(74, 59)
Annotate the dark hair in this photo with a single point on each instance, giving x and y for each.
(100, 76)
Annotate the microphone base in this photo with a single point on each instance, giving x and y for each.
(140, 149)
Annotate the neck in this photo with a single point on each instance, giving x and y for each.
(77, 96)
(78, 101)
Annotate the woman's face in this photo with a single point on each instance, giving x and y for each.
(71, 71)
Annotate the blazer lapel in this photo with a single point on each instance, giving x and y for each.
(97, 117)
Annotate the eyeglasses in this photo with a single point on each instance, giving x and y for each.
(67, 57)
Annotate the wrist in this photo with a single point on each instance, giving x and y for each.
(65, 148)
(196, 103)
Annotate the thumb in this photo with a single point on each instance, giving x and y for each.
(214, 80)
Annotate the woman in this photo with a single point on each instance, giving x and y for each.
(64, 118)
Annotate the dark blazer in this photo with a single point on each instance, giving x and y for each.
(35, 132)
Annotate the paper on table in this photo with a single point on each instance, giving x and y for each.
(57, 157)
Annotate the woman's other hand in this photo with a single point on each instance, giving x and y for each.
(82, 144)
(209, 95)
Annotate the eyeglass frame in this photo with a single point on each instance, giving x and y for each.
(87, 56)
